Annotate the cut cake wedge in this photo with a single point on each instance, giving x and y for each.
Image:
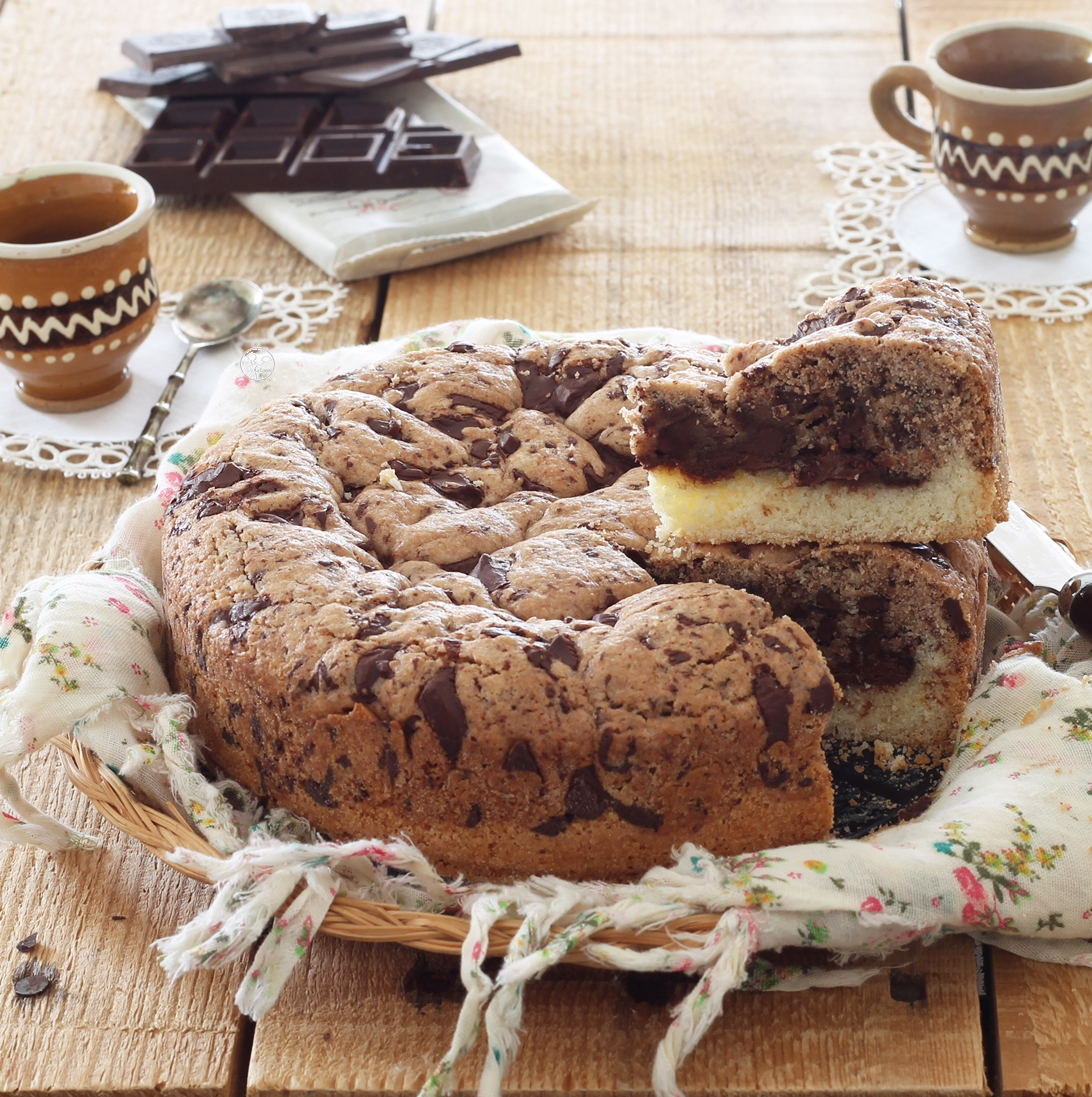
(879, 419)
(900, 626)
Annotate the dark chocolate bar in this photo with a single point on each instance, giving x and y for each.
(216, 45)
(370, 74)
(298, 143)
(295, 58)
(200, 80)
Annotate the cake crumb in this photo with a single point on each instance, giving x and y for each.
(389, 479)
(886, 757)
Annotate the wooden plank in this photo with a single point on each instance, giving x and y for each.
(1046, 369)
(110, 1022)
(700, 153)
(1042, 1010)
(1044, 1025)
(687, 19)
(927, 20)
(375, 1019)
(1046, 379)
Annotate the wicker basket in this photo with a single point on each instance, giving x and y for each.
(160, 832)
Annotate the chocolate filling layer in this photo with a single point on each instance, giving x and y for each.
(816, 438)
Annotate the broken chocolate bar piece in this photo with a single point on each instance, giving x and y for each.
(298, 143)
(423, 62)
(271, 25)
(157, 51)
(138, 83)
(299, 58)
(429, 55)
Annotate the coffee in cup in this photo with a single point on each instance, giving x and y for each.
(77, 291)
(1012, 127)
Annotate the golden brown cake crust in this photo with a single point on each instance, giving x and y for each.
(414, 600)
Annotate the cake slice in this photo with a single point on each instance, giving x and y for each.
(879, 419)
(900, 626)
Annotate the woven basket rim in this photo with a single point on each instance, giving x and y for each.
(161, 831)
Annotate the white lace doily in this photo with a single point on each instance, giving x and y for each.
(289, 317)
(871, 181)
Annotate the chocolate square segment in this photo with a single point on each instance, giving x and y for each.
(354, 113)
(257, 150)
(245, 163)
(326, 156)
(169, 163)
(277, 112)
(433, 157)
(214, 116)
(344, 146)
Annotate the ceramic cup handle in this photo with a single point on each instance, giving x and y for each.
(892, 117)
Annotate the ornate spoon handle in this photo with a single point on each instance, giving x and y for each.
(133, 469)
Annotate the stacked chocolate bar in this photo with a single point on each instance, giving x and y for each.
(289, 49)
(270, 99)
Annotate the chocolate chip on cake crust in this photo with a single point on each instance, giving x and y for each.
(521, 759)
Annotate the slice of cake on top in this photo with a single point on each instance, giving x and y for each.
(879, 419)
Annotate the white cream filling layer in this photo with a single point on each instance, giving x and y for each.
(768, 508)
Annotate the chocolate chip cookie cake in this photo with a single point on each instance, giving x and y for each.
(878, 420)
(428, 598)
(417, 600)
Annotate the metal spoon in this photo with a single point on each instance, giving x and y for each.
(207, 315)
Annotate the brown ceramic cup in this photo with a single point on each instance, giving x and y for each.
(1012, 127)
(77, 292)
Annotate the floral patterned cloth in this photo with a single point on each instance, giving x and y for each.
(1003, 853)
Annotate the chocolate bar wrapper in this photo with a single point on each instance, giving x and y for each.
(361, 234)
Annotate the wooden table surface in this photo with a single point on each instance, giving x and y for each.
(694, 123)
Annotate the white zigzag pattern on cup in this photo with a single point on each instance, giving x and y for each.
(1074, 163)
(143, 295)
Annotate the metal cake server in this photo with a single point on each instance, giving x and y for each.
(1031, 552)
